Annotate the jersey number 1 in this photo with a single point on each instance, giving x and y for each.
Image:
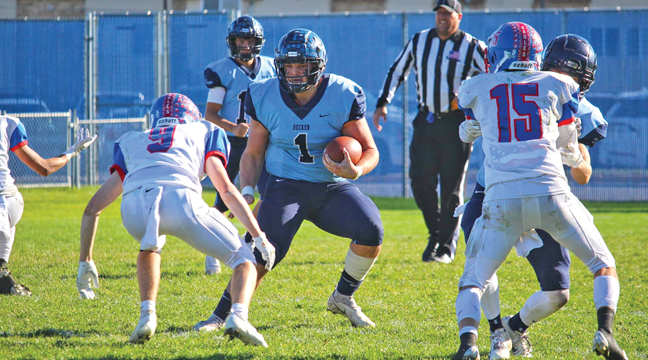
(162, 138)
(241, 114)
(529, 127)
(301, 141)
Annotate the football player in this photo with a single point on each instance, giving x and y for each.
(14, 139)
(159, 172)
(294, 116)
(227, 80)
(527, 117)
(571, 55)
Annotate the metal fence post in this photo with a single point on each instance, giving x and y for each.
(406, 184)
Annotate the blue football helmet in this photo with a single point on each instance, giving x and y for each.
(173, 109)
(572, 55)
(245, 27)
(514, 46)
(300, 46)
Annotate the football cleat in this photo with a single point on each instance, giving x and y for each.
(212, 323)
(145, 328)
(346, 305)
(500, 345)
(212, 265)
(444, 259)
(521, 345)
(241, 329)
(605, 345)
(9, 286)
(471, 353)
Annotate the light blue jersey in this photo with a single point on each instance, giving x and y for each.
(228, 74)
(594, 128)
(299, 134)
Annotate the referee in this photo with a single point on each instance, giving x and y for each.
(441, 57)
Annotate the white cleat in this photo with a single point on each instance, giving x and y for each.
(500, 345)
(520, 343)
(345, 305)
(145, 328)
(241, 329)
(212, 265)
(472, 353)
(211, 324)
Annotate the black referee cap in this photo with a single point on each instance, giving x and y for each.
(450, 5)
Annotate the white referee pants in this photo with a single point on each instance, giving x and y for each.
(154, 211)
(11, 210)
(503, 222)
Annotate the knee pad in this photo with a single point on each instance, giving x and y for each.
(370, 234)
(467, 304)
(542, 304)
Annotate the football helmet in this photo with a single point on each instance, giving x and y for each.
(300, 46)
(572, 55)
(514, 46)
(245, 27)
(173, 109)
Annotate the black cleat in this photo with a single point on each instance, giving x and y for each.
(467, 353)
(9, 286)
(605, 345)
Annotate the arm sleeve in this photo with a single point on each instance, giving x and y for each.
(217, 145)
(594, 125)
(18, 137)
(359, 106)
(397, 73)
(216, 95)
(119, 164)
(212, 79)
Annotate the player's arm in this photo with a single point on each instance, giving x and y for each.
(46, 167)
(212, 114)
(583, 172)
(88, 274)
(253, 158)
(237, 205)
(359, 130)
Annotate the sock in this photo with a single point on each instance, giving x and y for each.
(224, 305)
(241, 310)
(147, 306)
(3, 263)
(605, 317)
(517, 324)
(606, 292)
(468, 339)
(356, 268)
(495, 324)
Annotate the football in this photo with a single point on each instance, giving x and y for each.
(352, 146)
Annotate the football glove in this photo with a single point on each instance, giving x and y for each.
(469, 130)
(266, 249)
(87, 276)
(571, 155)
(84, 140)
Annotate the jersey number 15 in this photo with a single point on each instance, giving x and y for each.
(529, 127)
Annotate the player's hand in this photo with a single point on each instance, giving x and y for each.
(241, 129)
(579, 126)
(571, 155)
(344, 169)
(469, 130)
(86, 277)
(380, 112)
(266, 249)
(84, 140)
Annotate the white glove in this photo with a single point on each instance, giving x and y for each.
(469, 130)
(266, 249)
(571, 155)
(84, 140)
(579, 126)
(87, 276)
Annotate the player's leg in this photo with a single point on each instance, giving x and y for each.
(453, 163)
(12, 212)
(491, 239)
(148, 277)
(551, 264)
(572, 226)
(423, 175)
(346, 212)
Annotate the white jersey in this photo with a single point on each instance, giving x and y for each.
(13, 136)
(172, 155)
(519, 114)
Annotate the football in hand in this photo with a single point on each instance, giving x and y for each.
(352, 146)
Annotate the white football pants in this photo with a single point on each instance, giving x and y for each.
(154, 211)
(503, 222)
(11, 210)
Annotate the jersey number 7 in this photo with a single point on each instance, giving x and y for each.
(529, 126)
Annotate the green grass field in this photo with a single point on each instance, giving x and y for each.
(411, 302)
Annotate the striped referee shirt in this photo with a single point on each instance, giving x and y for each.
(439, 65)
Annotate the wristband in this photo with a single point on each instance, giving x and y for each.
(247, 190)
(360, 172)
